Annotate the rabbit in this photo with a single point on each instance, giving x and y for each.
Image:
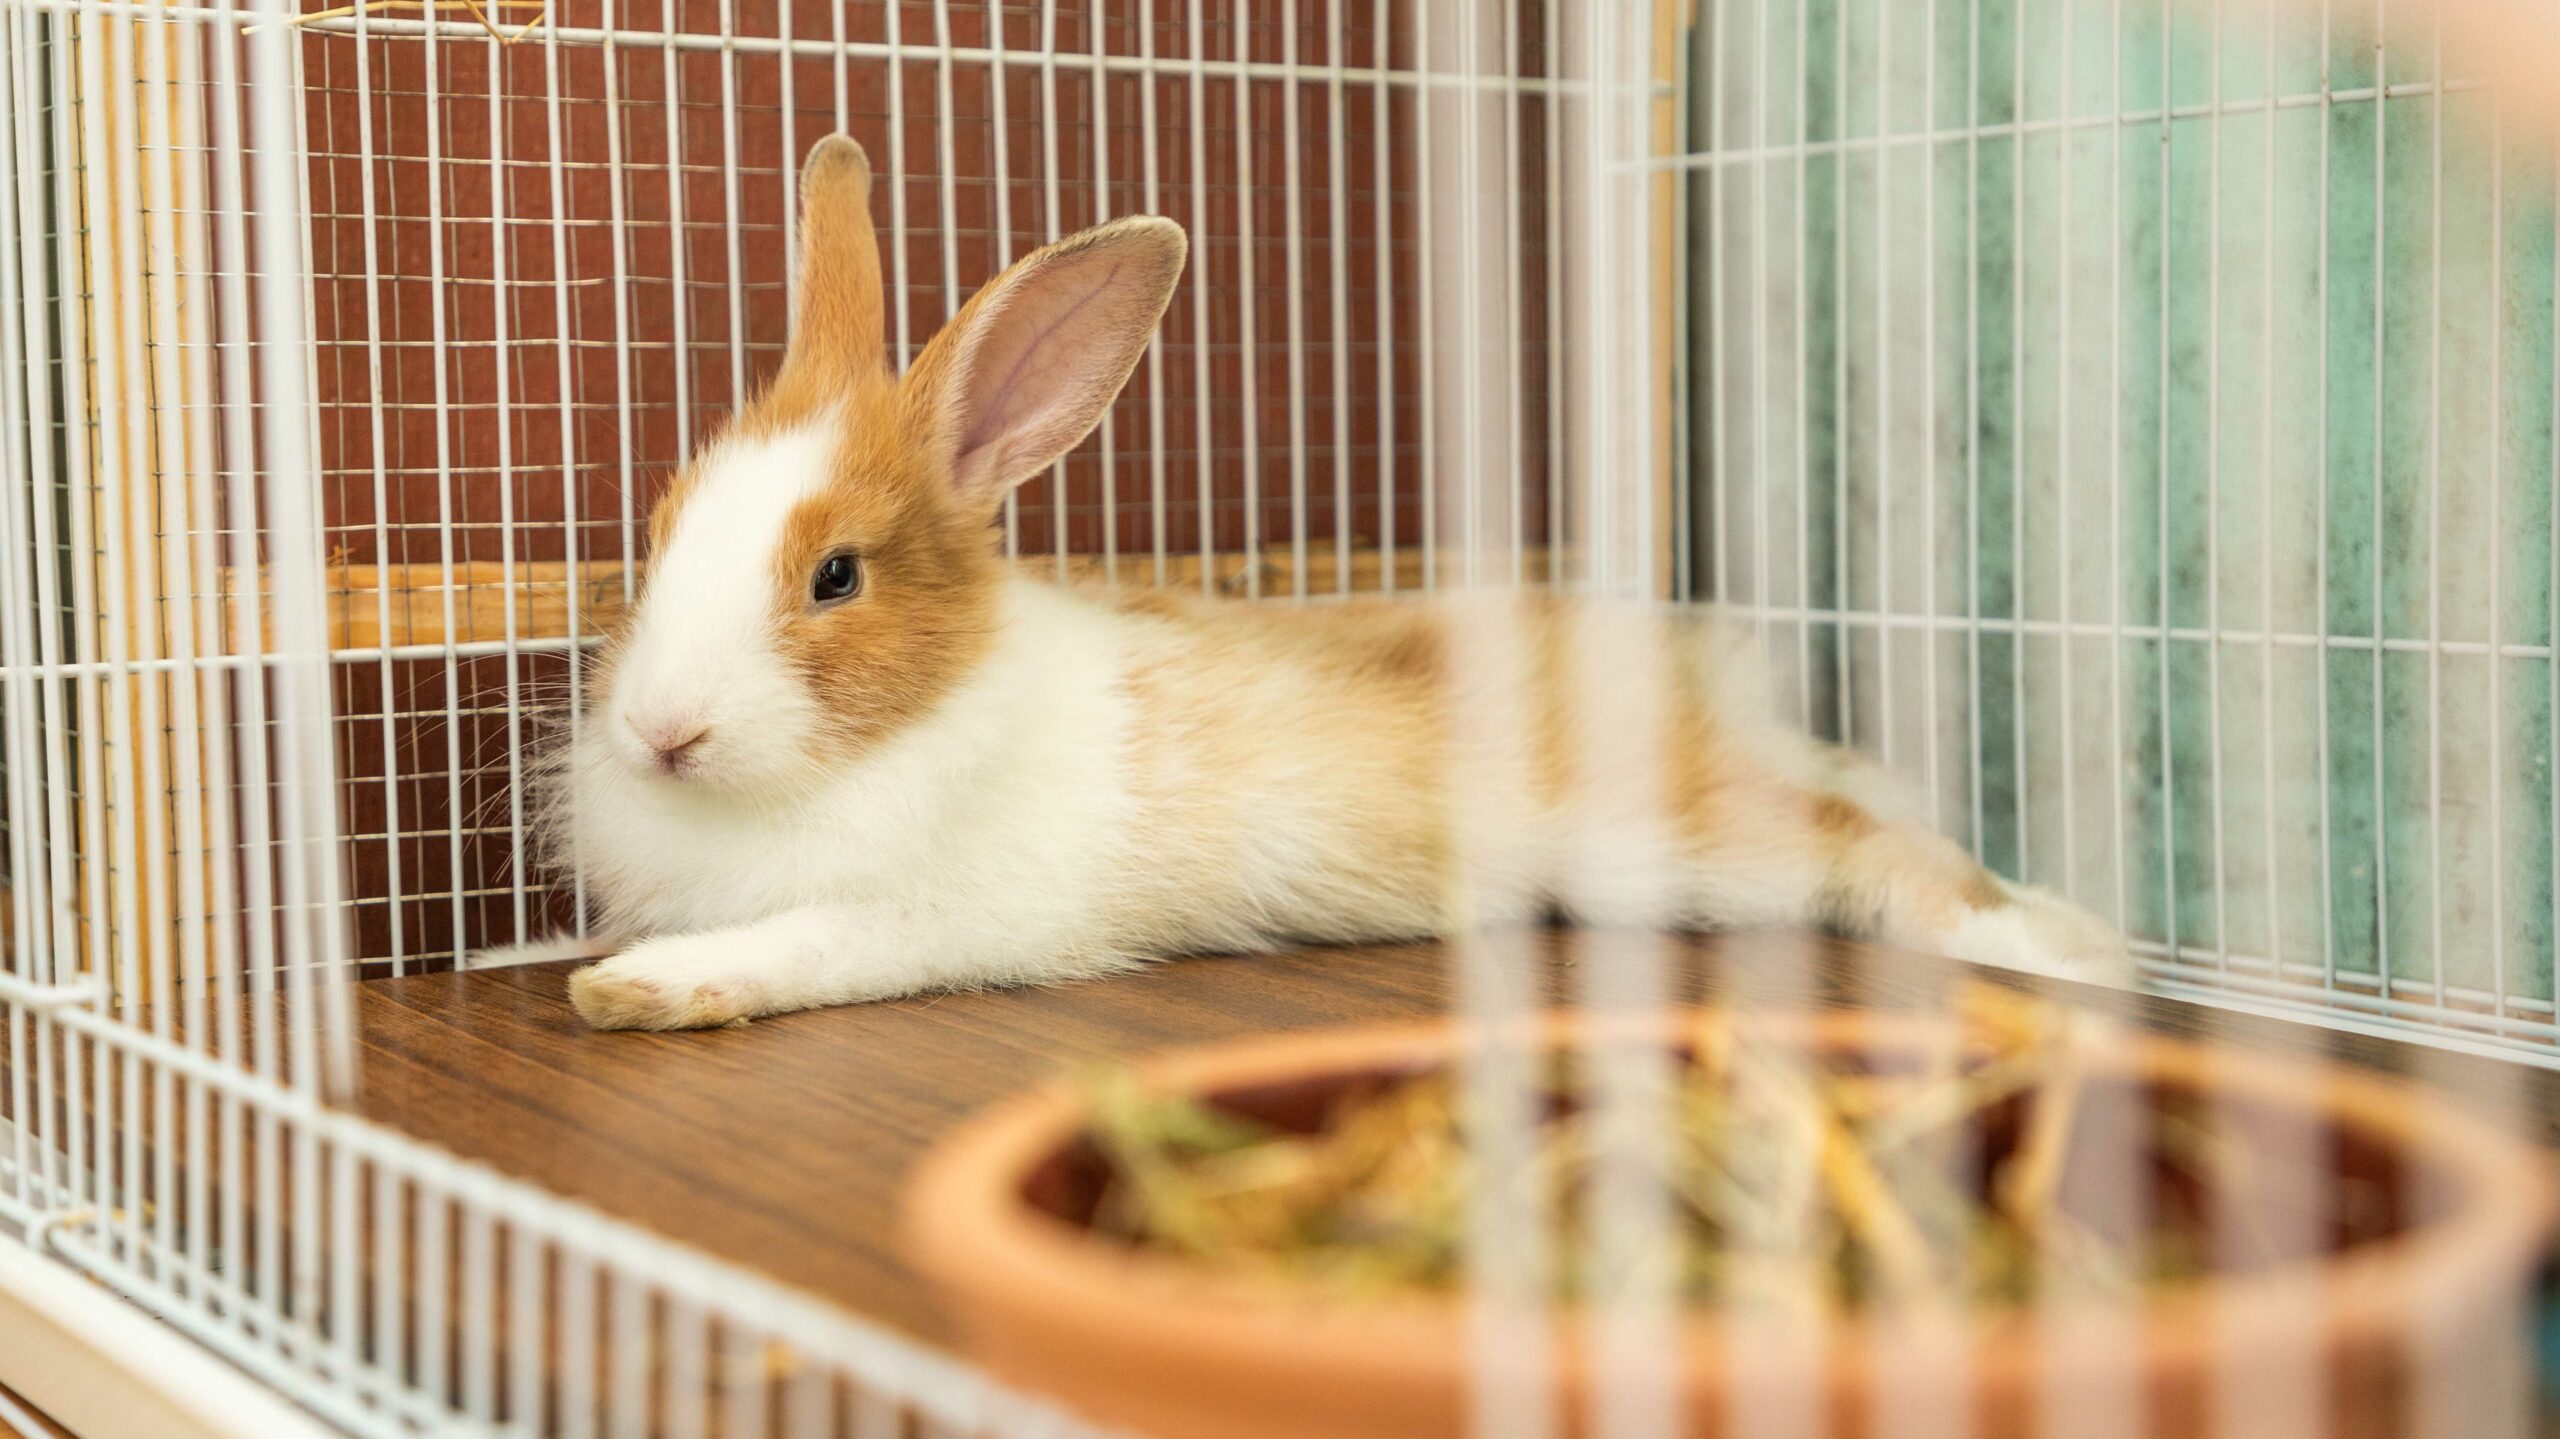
(841, 752)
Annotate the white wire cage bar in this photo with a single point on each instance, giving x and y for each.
(2134, 421)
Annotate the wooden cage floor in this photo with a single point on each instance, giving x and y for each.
(781, 1145)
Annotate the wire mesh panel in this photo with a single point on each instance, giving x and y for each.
(2135, 421)
(347, 355)
(544, 271)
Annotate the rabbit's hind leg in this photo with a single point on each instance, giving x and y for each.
(1906, 885)
(1768, 854)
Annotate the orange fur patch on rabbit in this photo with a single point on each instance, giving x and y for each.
(925, 614)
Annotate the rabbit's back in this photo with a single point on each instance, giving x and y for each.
(1372, 769)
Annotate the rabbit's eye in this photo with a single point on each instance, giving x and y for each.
(839, 578)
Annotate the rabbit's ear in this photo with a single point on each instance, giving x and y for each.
(836, 335)
(1027, 367)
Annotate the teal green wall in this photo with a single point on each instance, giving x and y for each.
(2283, 371)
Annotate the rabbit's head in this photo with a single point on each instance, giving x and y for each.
(824, 571)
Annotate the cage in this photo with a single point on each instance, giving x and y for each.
(2131, 421)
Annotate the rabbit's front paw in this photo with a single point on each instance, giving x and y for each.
(676, 982)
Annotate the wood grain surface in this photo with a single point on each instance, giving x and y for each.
(781, 1145)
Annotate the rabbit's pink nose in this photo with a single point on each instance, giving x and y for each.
(675, 747)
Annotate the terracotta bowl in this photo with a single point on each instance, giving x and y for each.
(2396, 1314)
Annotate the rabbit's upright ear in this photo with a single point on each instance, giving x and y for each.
(1027, 367)
(836, 334)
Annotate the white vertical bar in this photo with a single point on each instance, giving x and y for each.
(634, 1354)
(844, 78)
(458, 816)
(1426, 71)
(36, 888)
(729, 200)
(2118, 760)
(580, 1403)
(1552, 135)
(221, 968)
(1471, 290)
(96, 1097)
(1881, 449)
(16, 560)
(391, 1278)
(377, 404)
(2435, 515)
(1635, 1382)
(78, 347)
(1973, 407)
(1149, 139)
(1507, 1238)
(2320, 537)
(2213, 503)
(2381, 278)
(503, 347)
(1202, 279)
(679, 242)
(1251, 405)
(1929, 259)
(1057, 226)
(901, 275)
(345, 1257)
(33, 887)
(1338, 268)
(31, 896)
(1507, 294)
(1381, 131)
(527, 1326)
(314, 934)
(808, 1405)
(108, 123)
(478, 1330)
(175, 590)
(572, 547)
(434, 1217)
(1804, 476)
(2017, 430)
(1675, 89)
(1841, 627)
(618, 212)
(1003, 148)
(787, 66)
(687, 1368)
(2501, 986)
(2274, 886)
(876, 1416)
(2065, 477)
(1762, 316)
(1108, 464)
(1293, 224)
(143, 590)
(2168, 733)
(945, 120)
(742, 1385)
(239, 459)
(1719, 419)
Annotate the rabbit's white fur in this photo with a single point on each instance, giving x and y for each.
(968, 849)
(1056, 783)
